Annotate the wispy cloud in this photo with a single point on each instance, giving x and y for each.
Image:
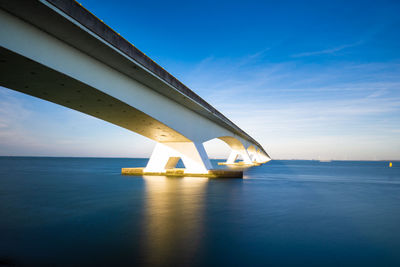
(328, 50)
(345, 104)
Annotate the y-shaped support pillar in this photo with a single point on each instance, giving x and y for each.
(254, 154)
(237, 149)
(257, 155)
(235, 153)
(263, 157)
(166, 156)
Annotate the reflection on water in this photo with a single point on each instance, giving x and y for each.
(173, 219)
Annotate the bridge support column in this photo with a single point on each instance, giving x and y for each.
(235, 153)
(166, 156)
(263, 157)
(254, 154)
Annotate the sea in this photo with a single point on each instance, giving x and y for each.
(83, 212)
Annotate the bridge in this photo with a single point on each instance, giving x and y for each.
(58, 51)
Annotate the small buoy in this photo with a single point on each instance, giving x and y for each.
(390, 164)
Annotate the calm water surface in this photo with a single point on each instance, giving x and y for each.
(81, 211)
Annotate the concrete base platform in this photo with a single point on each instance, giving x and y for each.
(177, 172)
(239, 164)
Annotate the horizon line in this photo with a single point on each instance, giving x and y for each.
(321, 160)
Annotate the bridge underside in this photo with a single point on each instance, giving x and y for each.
(27, 76)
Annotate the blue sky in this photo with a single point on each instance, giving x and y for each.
(307, 79)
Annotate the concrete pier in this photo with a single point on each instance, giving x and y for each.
(240, 164)
(180, 172)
